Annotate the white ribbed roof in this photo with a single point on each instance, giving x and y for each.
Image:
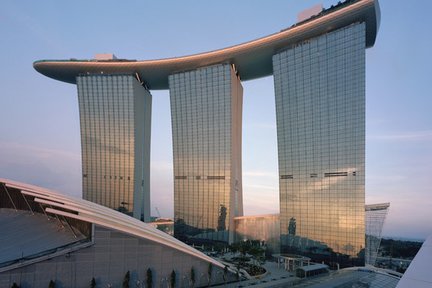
(25, 235)
(419, 273)
(93, 213)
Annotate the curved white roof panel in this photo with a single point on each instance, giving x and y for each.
(27, 236)
(75, 208)
(418, 273)
(252, 59)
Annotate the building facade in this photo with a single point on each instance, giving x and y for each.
(264, 228)
(206, 113)
(320, 111)
(115, 118)
(375, 218)
(318, 66)
(70, 241)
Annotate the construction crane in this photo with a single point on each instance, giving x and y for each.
(157, 210)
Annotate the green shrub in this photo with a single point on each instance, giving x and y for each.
(192, 277)
(93, 283)
(126, 280)
(149, 278)
(173, 279)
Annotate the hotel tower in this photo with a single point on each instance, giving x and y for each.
(318, 65)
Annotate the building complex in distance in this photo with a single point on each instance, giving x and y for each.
(318, 66)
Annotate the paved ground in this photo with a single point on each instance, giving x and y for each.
(275, 277)
(278, 278)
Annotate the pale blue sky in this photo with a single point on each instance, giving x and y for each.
(39, 124)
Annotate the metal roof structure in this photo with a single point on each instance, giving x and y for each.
(418, 273)
(356, 277)
(26, 236)
(252, 59)
(313, 267)
(18, 197)
(377, 207)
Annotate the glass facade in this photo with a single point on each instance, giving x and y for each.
(115, 116)
(206, 112)
(320, 111)
(375, 217)
(260, 227)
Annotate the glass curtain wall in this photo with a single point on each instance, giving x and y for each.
(206, 108)
(375, 218)
(320, 111)
(115, 116)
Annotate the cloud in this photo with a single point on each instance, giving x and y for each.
(260, 192)
(60, 171)
(49, 168)
(260, 202)
(261, 187)
(404, 136)
(162, 188)
(261, 125)
(266, 174)
(384, 178)
(17, 16)
(161, 166)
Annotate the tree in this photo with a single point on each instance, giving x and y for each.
(209, 273)
(51, 284)
(225, 275)
(257, 253)
(93, 283)
(292, 226)
(14, 285)
(244, 247)
(192, 277)
(173, 279)
(222, 218)
(149, 278)
(233, 247)
(126, 280)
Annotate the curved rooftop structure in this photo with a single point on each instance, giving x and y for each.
(252, 59)
(418, 273)
(24, 206)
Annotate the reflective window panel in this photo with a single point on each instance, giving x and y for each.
(206, 111)
(320, 112)
(115, 113)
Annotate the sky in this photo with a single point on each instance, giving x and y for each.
(39, 120)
